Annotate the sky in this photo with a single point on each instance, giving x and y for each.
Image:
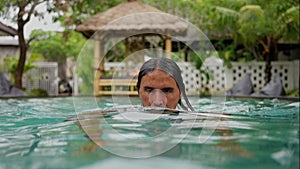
(45, 24)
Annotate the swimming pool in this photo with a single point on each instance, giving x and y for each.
(250, 133)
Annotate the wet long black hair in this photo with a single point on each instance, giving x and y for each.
(171, 68)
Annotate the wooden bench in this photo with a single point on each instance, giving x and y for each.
(117, 86)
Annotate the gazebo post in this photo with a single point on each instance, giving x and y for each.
(127, 51)
(144, 47)
(98, 65)
(168, 42)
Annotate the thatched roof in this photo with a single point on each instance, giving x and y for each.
(7, 30)
(140, 18)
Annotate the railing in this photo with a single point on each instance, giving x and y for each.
(43, 76)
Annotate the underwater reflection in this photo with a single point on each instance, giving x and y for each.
(160, 133)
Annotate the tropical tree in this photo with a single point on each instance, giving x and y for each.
(259, 25)
(69, 13)
(10, 63)
(56, 46)
(20, 12)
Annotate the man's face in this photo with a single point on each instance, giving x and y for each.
(159, 89)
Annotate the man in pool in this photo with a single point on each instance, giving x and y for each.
(160, 85)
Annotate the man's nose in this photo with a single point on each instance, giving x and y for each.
(157, 98)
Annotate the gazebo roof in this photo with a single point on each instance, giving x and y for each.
(140, 18)
(7, 30)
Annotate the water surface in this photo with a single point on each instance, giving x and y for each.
(248, 133)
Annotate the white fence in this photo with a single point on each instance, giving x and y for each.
(223, 78)
(217, 78)
(43, 76)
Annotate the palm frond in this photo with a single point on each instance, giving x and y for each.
(227, 16)
(291, 15)
(253, 9)
(289, 24)
(228, 12)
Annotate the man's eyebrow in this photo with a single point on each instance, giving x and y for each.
(168, 88)
(148, 87)
(165, 88)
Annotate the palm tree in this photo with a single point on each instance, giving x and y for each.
(260, 26)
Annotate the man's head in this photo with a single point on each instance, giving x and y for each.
(160, 84)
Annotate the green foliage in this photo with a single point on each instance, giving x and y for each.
(229, 53)
(293, 93)
(251, 16)
(116, 53)
(251, 23)
(68, 12)
(198, 62)
(38, 93)
(248, 22)
(10, 63)
(75, 12)
(55, 46)
(196, 59)
(198, 12)
(85, 69)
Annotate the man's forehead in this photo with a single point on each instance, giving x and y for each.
(158, 80)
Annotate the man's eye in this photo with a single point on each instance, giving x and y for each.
(167, 90)
(148, 90)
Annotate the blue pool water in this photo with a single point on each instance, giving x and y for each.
(247, 133)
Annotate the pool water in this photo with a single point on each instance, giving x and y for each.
(247, 133)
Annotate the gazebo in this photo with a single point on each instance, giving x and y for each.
(129, 19)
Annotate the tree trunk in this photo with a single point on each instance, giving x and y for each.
(26, 9)
(22, 57)
(62, 65)
(268, 73)
(270, 55)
